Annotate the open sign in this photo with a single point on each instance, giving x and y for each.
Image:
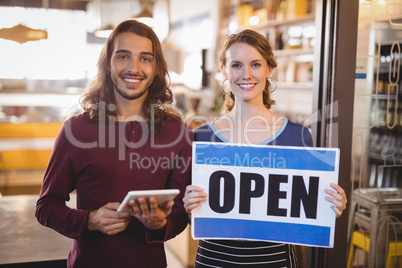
(272, 193)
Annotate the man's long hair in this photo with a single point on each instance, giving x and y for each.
(101, 89)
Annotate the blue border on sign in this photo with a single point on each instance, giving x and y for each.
(290, 233)
(361, 76)
(265, 157)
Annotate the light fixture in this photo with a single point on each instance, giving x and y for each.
(254, 20)
(104, 32)
(146, 14)
(22, 34)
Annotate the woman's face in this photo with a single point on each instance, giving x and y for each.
(246, 70)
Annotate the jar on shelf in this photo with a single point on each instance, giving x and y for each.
(243, 14)
(296, 8)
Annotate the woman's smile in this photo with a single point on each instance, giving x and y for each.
(247, 86)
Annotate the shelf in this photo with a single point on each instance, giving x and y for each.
(382, 70)
(383, 96)
(309, 18)
(40, 99)
(293, 52)
(380, 159)
(295, 85)
(396, 130)
(379, 96)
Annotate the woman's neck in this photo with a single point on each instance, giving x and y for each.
(243, 113)
(248, 124)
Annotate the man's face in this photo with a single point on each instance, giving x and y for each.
(132, 67)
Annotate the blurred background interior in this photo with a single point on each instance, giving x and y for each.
(338, 73)
(49, 51)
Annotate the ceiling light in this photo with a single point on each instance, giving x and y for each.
(104, 32)
(146, 14)
(22, 34)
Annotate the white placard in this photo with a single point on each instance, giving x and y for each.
(270, 193)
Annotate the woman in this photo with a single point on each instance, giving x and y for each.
(247, 62)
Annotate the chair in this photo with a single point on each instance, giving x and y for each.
(362, 241)
(377, 212)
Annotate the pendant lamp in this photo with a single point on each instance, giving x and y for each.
(146, 14)
(22, 34)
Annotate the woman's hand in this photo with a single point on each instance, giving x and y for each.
(193, 196)
(338, 198)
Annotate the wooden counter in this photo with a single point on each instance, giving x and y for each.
(23, 239)
(26, 145)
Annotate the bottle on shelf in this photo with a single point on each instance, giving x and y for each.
(243, 14)
(380, 113)
(281, 14)
(296, 8)
(271, 6)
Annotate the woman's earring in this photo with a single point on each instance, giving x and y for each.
(225, 88)
(270, 80)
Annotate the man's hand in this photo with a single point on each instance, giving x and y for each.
(152, 216)
(107, 220)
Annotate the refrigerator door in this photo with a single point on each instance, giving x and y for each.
(377, 126)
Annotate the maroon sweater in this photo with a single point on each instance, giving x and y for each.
(102, 162)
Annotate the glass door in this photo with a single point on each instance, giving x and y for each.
(376, 171)
(377, 128)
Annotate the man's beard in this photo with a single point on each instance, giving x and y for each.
(128, 96)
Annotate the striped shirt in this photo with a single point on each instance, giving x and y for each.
(232, 253)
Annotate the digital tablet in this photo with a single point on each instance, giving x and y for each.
(161, 196)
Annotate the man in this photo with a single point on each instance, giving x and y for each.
(127, 139)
